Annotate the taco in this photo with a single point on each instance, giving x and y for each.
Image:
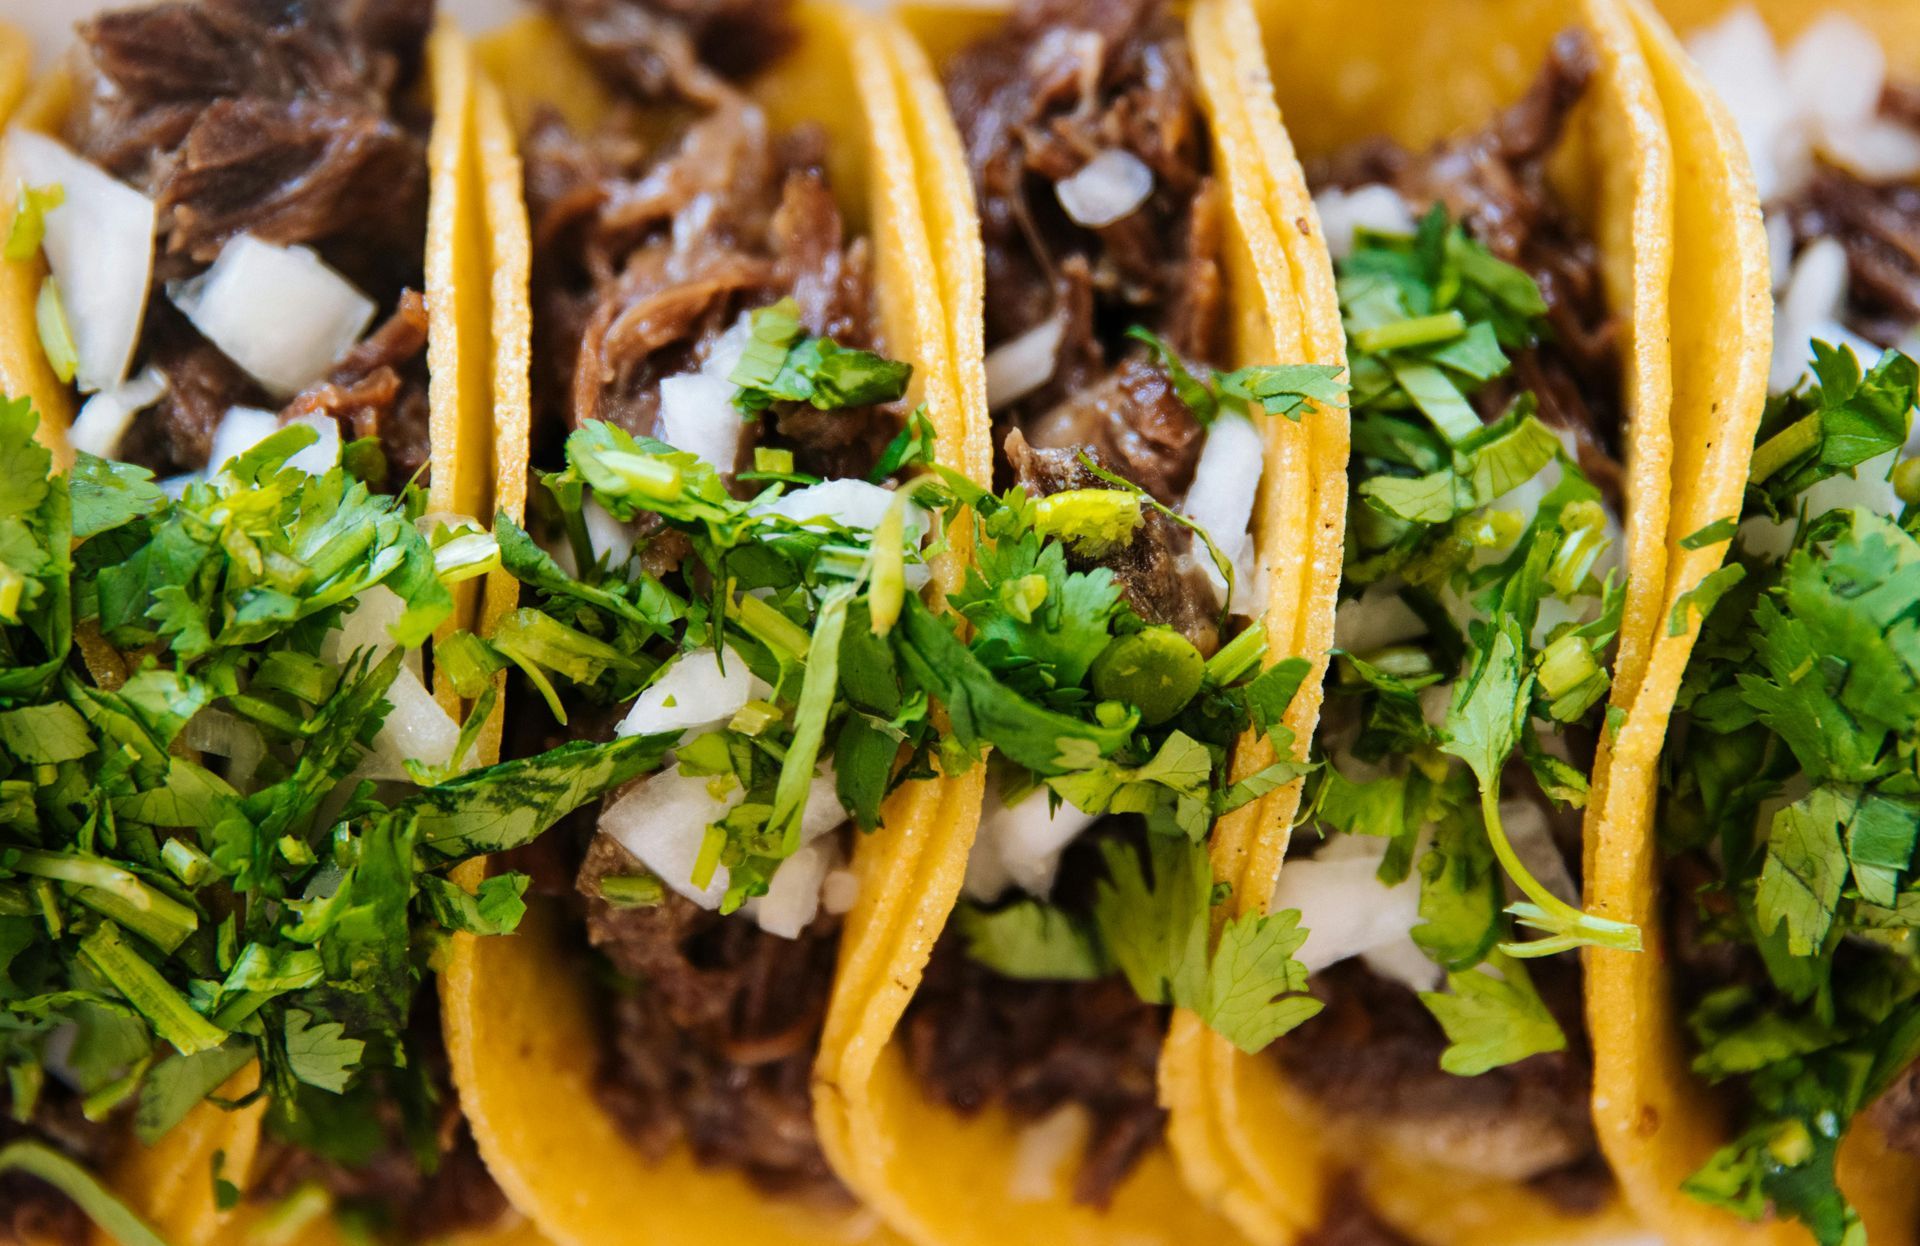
(1757, 1080)
(1167, 442)
(1495, 194)
(246, 357)
(731, 386)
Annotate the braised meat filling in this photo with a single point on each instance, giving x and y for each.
(33, 1213)
(1056, 88)
(293, 124)
(1879, 225)
(1374, 1055)
(651, 252)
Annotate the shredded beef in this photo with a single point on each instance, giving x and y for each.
(406, 1197)
(291, 122)
(677, 49)
(1494, 182)
(1157, 571)
(644, 258)
(713, 1043)
(1348, 1221)
(1053, 87)
(1897, 1112)
(33, 1213)
(1879, 225)
(1374, 1055)
(976, 1038)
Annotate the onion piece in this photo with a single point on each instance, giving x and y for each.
(793, 893)
(1374, 620)
(324, 454)
(1020, 365)
(107, 416)
(839, 891)
(1020, 845)
(1342, 903)
(99, 246)
(225, 735)
(1374, 207)
(693, 695)
(1225, 482)
(1815, 295)
(240, 430)
(854, 504)
(278, 312)
(1738, 58)
(662, 821)
(1835, 72)
(416, 729)
(697, 415)
(1044, 1152)
(366, 627)
(1108, 188)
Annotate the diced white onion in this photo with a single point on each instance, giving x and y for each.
(1779, 249)
(1402, 961)
(1530, 831)
(1374, 620)
(1343, 212)
(366, 627)
(1108, 188)
(1225, 482)
(99, 247)
(839, 891)
(240, 430)
(793, 893)
(1045, 1153)
(107, 416)
(416, 729)
(1342, 903)
(693, 695)
(1815, 296)
(1835, 72)
(1020, 845)
(1020, 365)
(662, 821)
(1738, 58)
(324, 454)
(278, 312)
(224, 735)
(697, 415)
(855, 504)
(1878, 150)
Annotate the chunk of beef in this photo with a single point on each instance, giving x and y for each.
(975, 1038)
(676, 49)
(1374, 1055)
(1494, 181)
(260, 116)
(713, 1044)
(379, 389)
(1879, 225)
(1157, 571)
(1133, 420)
(644, 259)
(1348, 1221)
(202, 385)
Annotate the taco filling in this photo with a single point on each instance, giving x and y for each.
(1480, 601)
(1107, 292)
(233, 217)
(234, 214)
(1789, 809)
(705, 372)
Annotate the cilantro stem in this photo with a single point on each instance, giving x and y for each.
(88, 1193)
(1409, 333)
(1790, 443)
(811, 710)
(1237, 656)
(649, 477)
(771, 628)
(889, 588)
(151, 995)
(153, 913)
(56, 334)
(1567, 926)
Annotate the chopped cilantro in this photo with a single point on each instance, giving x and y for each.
(785, 363)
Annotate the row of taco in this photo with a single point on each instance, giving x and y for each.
(1106, 621)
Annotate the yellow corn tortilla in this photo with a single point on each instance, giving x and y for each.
(1251, 1143)
(938, 1176)
(171, 1183)
(1657, 1122)
(521, 1032)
